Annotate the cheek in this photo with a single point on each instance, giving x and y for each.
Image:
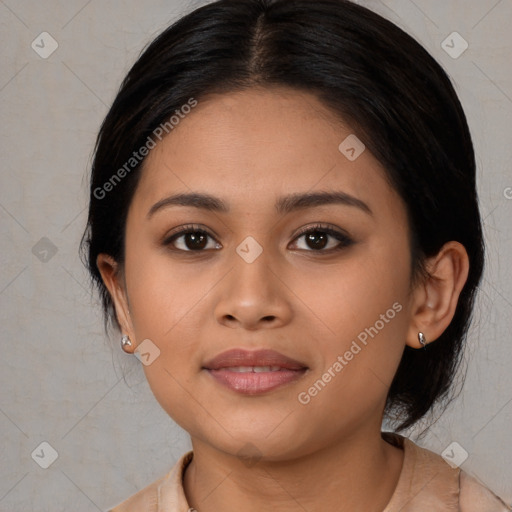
(363, 302)
(163, 295)
(349, 296)
(358, 361)
(170, 305)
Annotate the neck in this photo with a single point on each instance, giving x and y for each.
(335, 478)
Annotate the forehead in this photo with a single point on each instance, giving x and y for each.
(253, 146)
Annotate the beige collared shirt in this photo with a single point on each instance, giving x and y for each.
(426, 484)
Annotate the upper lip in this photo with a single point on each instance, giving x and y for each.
(241, 357)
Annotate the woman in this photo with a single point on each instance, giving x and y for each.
(284, 227)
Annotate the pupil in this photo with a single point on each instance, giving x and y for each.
(197, 240)
(318, 240)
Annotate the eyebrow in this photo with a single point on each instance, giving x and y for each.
(284, 205)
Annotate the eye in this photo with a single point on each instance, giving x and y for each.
(321, 238)
(317, 238)
(192, 238)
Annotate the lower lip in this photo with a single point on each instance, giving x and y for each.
(252, 383)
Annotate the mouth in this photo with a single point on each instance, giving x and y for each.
(254, 372)
(255, 380)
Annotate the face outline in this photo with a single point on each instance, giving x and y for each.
(195, 306)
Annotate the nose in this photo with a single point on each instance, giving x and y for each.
(253, 296)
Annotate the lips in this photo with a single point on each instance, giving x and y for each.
(253, 373)
(237, 358)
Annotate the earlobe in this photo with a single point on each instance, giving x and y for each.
(436, 298)
(112, 278)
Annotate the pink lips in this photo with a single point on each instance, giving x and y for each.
(233, 369)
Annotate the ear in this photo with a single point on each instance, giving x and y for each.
(435, 299)
(113, 280)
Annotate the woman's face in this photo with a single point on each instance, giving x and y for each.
(338, 306)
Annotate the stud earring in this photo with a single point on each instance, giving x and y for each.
(125, 342)
(423, 340)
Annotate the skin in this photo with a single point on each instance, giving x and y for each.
(248, 149)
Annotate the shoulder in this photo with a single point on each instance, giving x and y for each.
(146, 499)
(475, 497)
(166, 493)
(427, 480)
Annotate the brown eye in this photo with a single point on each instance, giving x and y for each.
(323, 239)
(317, 239)
(195, 240)
(190, 239)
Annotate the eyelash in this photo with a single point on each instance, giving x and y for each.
(345, 240)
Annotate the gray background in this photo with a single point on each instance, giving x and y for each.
(61, 380)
